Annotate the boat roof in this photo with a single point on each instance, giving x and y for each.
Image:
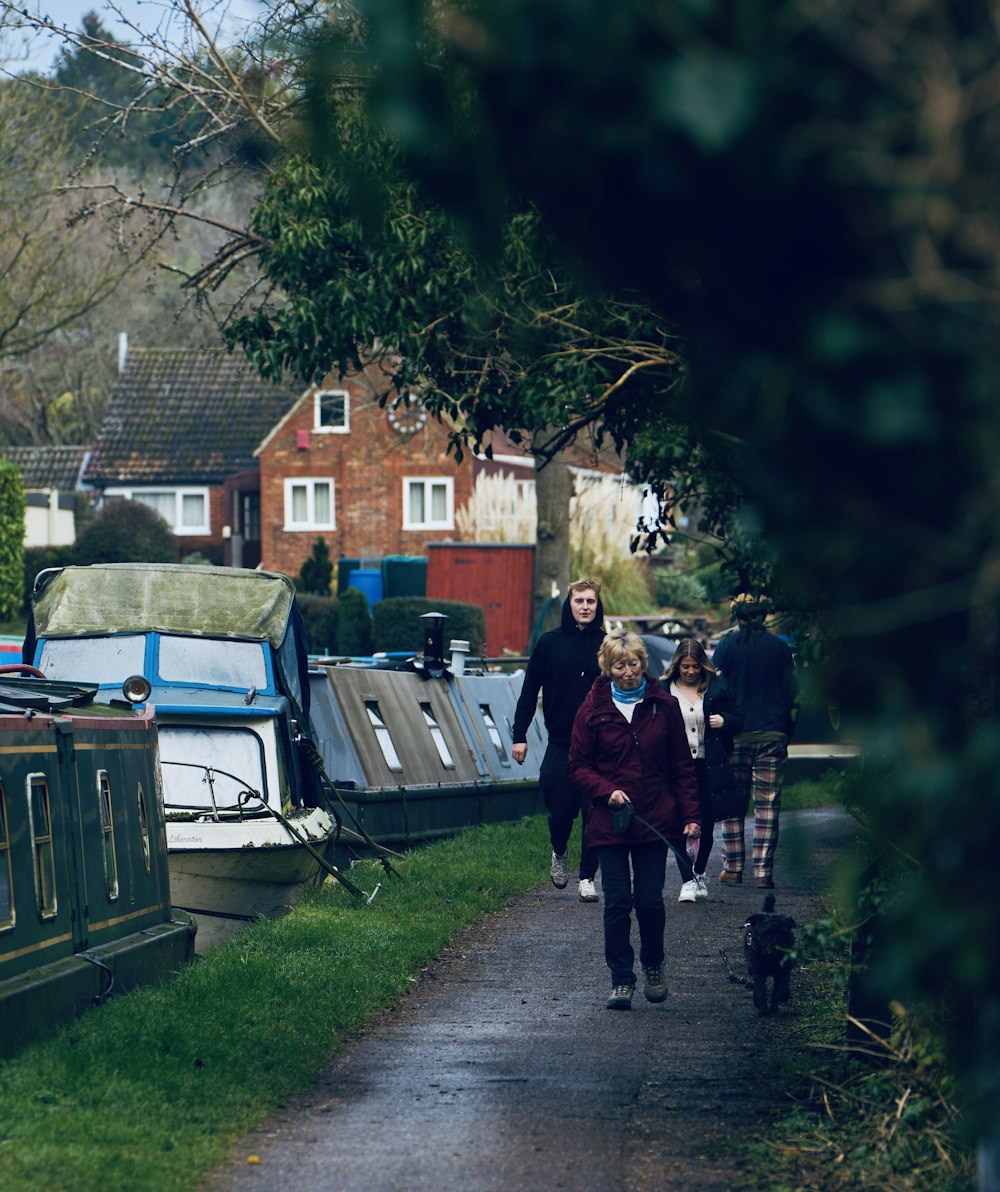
(25, 693)
(165, 598)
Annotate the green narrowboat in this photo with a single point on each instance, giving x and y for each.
(84, 894)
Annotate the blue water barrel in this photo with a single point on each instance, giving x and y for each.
(369, 582)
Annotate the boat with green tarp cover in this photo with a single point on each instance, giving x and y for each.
(224, 652)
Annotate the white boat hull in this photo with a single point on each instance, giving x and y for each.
(228, 873)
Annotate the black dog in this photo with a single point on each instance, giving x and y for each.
(768, 941)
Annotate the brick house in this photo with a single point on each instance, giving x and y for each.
(370, 481)
(248, 473)
(51, 477)
(179, 435)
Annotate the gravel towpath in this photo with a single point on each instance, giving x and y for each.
(502, 1069)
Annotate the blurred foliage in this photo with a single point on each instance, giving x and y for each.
(808, 193)
(679, 589)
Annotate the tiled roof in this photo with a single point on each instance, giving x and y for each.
(184, 416)
(47, 467)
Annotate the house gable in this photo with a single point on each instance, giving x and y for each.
(379, 481)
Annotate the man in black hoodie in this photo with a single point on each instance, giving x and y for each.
(563, 666)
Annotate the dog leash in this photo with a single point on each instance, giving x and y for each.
(682, 859)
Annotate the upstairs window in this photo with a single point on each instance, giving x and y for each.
(332, 411)
(428, 503)
(309, 504)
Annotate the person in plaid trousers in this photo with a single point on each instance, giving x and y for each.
(760, 671)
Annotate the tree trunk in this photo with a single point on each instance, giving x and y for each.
(553, 489)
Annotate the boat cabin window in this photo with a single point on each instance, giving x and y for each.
(209, 660)
(105, 660)
(494, 734)
(107, 834)
(437, 736)
(382, 735)
(40, 812)
(6, 875)
(208, 769)
(144, 828)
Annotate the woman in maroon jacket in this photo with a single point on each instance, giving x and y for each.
(629, 745)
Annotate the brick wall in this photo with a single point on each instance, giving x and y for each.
(368, 465)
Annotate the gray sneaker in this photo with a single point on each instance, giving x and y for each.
(656, 986)
(689, 892)
(557, 871)
(621, 997)
(701, 881)
(588, 891)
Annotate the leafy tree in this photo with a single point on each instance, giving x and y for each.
(808, 192)
(125, 532)
(12, 506)
(354, 624)
(317, 571)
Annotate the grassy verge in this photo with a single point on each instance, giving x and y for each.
(873, 1113)
(149, 1090)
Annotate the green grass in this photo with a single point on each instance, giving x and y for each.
(151, 1089)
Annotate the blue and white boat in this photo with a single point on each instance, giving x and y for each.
(224, 654)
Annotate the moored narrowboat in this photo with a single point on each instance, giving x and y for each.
(418, 749)
(224, 653)
(85, 907)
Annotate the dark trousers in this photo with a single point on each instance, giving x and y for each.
(564, 803)
(707, 819)
(641, 888)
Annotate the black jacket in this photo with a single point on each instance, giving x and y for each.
(563, 666)
(760, 670)
(719, 741)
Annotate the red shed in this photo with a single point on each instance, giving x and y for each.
(496, 575)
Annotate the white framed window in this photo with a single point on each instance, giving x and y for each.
(309, 503)
(428, 503)
(332, 411)
(185, 510)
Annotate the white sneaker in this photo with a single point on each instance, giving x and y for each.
(557, 871)
(588, 891)
(689, 892)
(701, 881)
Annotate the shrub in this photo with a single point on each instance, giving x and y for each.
(317, 571)
(126, 532)
(679, 589)
(396, 622)
(319, 615)
(11, 541)
(354, 625)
